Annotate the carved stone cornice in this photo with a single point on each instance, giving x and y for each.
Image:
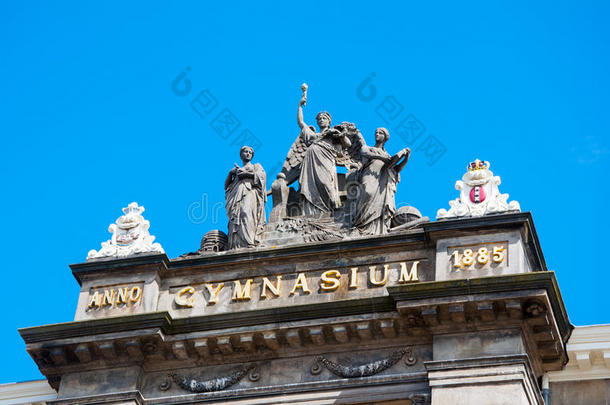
(589, 353)
(158, 347)
(530, 302)
(170, 326)
(542, 280)
(116, 266)
(415, 311)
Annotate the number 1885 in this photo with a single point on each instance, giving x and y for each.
(481, 256)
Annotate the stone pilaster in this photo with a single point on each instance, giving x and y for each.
(493, 380)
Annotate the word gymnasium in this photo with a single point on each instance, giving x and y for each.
(274, 287)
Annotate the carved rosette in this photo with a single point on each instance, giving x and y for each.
(129, 236)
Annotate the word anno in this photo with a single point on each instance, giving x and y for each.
(115, 297)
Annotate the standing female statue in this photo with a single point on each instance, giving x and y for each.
(245, 196)
(318, 177)
(378, 178)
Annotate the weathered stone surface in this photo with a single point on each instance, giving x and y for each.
(293, 374)
(499, 385)
(592, 392)
(353, 303)
(514, 261)
(478, 344)
(98, 382)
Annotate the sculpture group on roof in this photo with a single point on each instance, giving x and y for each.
(326, 205)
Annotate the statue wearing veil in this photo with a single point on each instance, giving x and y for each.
(245, 196)
(378, 177)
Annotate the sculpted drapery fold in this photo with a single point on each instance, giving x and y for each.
(327, 205)
(378, 178)
(245, 196)
(318, 180)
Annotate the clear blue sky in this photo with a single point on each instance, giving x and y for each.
(89, 122)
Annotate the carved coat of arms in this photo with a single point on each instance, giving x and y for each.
(479, 194)
(129, 236)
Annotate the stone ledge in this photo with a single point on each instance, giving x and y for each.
(485, 373)
(121, 398)
(26, 392)
(589, 355)
(170, 325)
(428, 232)
(236, 345)
(486, 285)
(114, 265)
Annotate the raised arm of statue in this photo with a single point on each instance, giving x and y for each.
(303, 101)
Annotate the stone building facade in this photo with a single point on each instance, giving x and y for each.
(455, 311)
(339, 297)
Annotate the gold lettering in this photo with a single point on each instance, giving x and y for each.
(183, 301)
(121, 297)
(373, 275)
(406, 276)
(108, 298)
(353, 277)
(330, 280)
(498, 254)
(135, 294)
(300, 283)
(94, 301)
(240, 293)
(275, 289)
(213, 292)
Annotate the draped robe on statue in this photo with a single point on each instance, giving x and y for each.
(318, 179)
(376, 204)
(245, 204)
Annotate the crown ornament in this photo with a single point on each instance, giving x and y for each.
(478, 165)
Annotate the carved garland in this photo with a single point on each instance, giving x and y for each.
(365, 370)
(214, 384)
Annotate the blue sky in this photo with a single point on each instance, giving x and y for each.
(90, 122)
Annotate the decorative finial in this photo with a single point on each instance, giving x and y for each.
(479, 194)
(129, 236)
